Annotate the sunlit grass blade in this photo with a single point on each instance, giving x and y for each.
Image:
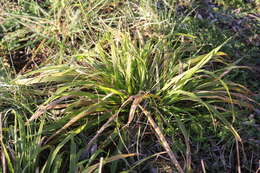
(73, 157)
(108, 160)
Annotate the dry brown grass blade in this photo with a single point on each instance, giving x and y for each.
(137, 100)
(238, 95)
(100, 131)
(100, 165)
(163, 140)
(113, 117)
(227, 100)
(203, 166)
(3, 160)
(42, 109)
(111, 159)
(89, 111)
(232, 68)
(238, 157)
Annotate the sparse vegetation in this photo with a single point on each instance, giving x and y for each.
(129, 86)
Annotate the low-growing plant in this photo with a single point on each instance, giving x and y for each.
(118, 87)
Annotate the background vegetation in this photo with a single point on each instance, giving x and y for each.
(129, 86)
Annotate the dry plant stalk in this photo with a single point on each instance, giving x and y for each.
(163, 140)
(100, 131)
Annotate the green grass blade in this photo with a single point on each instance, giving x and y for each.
(73, 157)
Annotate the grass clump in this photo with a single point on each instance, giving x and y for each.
(120, 86)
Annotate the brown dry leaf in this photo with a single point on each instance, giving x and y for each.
(89, 111)
(42, 109)
(137, 100)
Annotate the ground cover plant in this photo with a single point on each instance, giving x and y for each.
(133, 86)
